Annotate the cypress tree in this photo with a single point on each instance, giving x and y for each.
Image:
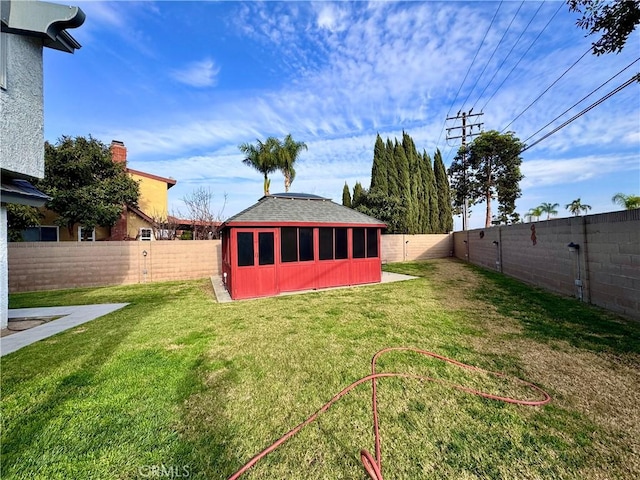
(413, 171)
(379, 180)
(346, 196)
(404, 185)
(358, 195)
(392, 170)
(431, 195)
(445, 218)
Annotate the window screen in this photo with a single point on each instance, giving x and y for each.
(372, 242)
(326, 243)
(245, 249)
(358, 243)
(289, 244)
(306, 244)
(265, 248)
(342, 246)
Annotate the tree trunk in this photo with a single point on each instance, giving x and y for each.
(487, 218)
(287, 181)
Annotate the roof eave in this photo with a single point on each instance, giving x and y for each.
(43, 20)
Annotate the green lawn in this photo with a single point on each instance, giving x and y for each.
(176, 385)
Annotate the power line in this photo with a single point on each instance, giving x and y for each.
(508, 54)
(522, 57)
(468, 70)
(633, 79)
(582, 99)
(492, 54)
(547, 89)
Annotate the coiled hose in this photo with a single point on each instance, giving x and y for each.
(373, 466)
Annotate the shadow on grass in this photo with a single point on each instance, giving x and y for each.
(546, 316)
(417, 269)
(206, 431)
(22, 432)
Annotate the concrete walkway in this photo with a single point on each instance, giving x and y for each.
(222, 295)
(71, 317)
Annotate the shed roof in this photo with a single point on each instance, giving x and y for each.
(304, 208)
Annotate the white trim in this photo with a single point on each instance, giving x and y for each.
(144, 237)
(92, 238)
(3, 60)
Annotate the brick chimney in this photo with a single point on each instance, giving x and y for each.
(118, 152)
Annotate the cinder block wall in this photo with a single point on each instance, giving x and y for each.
(401, 248)
(52, 266)
(603, 270)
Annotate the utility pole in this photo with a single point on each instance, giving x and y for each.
(464, 116)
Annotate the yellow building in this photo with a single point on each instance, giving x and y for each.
(141, 223)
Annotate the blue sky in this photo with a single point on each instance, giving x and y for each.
(182, 84)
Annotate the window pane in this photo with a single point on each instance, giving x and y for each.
(31, 234)
(306, 244)
(245, 249)
(326, 244)
(358, 243)
(48, 234)
(372, 242)
(289, 244)
(342, 248)
(265, 248)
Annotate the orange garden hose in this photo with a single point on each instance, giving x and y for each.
(373, 465)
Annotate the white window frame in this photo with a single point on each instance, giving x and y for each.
(144, 237)
(92, 238)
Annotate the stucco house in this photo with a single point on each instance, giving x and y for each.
(135, 223)
(27, 27)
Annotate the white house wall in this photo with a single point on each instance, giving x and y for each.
(21, 108)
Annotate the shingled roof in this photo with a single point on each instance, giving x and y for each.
(299, 208)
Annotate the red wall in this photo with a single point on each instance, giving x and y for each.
(259, 281)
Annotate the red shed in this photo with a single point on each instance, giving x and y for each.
(293, 241)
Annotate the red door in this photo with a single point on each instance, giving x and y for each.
(256, 264)
(265, 263)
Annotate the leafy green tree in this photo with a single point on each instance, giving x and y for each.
(346, 196)
(629, 202)
(86, 186)
(549, 209)
(358, 195)
(443, 212)
(388, 209)
(576, 206)
(379, 174)
(489, 168)
(617, 20)
(19, 218)
(287, 154)
(263, 157)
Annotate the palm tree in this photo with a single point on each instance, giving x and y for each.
(288, 152)
(533, 212)
(629, 202)
(576, 207)
(262, 157)
(549, 209)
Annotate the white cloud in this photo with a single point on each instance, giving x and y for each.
(543, 172)
(203, 73)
